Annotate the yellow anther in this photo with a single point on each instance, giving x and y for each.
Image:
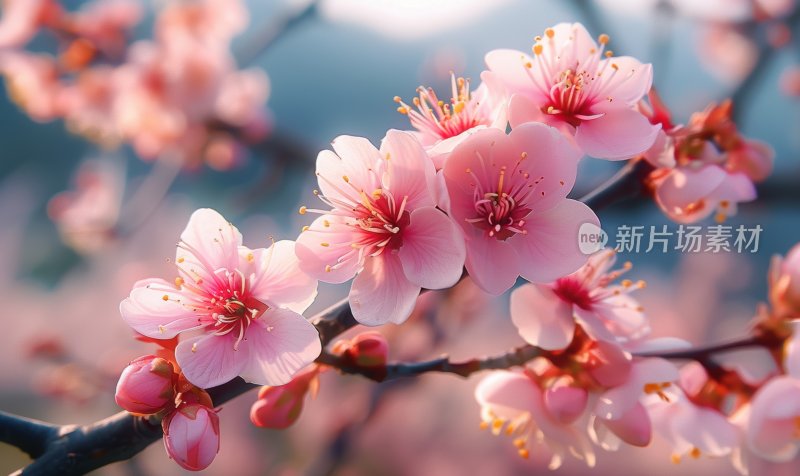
(550, 32)
(250, 257)
(603, 39)
(305, 228)
(676, 459)
(178, 281)
(165, 297)
(483, 425)
(327, 268)
(695, 453)
(614, 66)
(609, 54)
(180, 260)
(520, 443)
(537, 49)
(397, 99)
(303, 210)
(325, 244)
(346, 178)
(524, 453)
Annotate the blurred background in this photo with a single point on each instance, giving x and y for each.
(81, 221)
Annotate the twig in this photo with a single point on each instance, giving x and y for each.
(627, 183)
(274, 31)
(31, 436)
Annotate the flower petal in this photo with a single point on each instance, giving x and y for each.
(381, 293)
(550, 249)
(278, 344)
(409, 172)
(433, 250)
(492, 264)
(148, 313)
(325, 251)
(209, 243)
(617, 135)
(277, 277)
(210, 360)
(541, 317)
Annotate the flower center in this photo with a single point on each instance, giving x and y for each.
(381, 220)
(573, 291)
(439, 120)
(501, 210)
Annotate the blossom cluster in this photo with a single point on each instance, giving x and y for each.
(179, 94)
(481, 186)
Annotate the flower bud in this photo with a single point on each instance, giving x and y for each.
(146, 386)
(369, 349)
(191, 436)
(279, 407)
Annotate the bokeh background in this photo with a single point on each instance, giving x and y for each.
(334, 69)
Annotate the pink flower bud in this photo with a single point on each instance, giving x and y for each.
(279, 407)
(146, 386)
(369, 349)
(191, 436)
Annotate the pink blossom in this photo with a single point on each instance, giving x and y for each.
(243, 302)
(106, 24)
(146, 386)
(32, 82)
(508, 193)
(443, 125)
(569, 84)
(691, 429)
(22, 18)
(383, 227)
(279, 407)
(727, 52)
(86, 216)
(204, 23)
(774, 424)
(191, 436)
(545, 314)
(514, 403)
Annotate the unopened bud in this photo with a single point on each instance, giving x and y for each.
(369, 349)
(146, 386)
(191, 436)
(280, 406)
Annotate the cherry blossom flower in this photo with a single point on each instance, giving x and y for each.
(191, 436)
(784, 283)
(514, 403)
(32, 82)
(86, 217)
(706, 167)
(244, 302)
(21, 20)
(692, 426)
(774, 422)
(383, 227)
(569, 85)
(545, 314)
(508, 193)
(443, 125)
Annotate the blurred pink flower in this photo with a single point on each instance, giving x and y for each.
(514, 403)
(203, 23)
(245, 301)
(383, 228)
(545, 314)
(692, 429)
(784, 283)
(86, 217)
(569, 85)
(508, 193)
(106, 24)
(22, 18)
(191, 436)
(727, 52)
(790, 81)
(146, 386)
(774, 423)
(443, 125)
(32, 82)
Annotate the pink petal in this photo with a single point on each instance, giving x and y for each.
(359, 159)
(617, 135)
(614, 403)
(492, 264)
(685, 187)
(433, 250)
(565, 403)
(277, 277)
(210, 360)
(508, 394)
(634, 427)
(212, 241)
(381, 293)
(509, 68)
(542, 318)
(550, 248)
(278, 344)
(409, 172)
(549, 155)
(523, 109)
(146, 311)
(627, 85)
(331, 170)
(324, 250)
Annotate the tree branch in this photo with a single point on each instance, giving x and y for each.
(30, 436)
